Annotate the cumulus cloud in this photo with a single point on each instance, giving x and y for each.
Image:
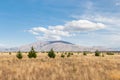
(33, 32)
(66, 30)
(113, 20)
(83, 25)
(110, 34)
(48, 37)
(50, 33)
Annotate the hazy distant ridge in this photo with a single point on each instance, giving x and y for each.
(56, 45)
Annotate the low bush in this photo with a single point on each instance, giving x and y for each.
(84, 53)
(51, 54)
(69, 54)
(97, 53)
(32, 53)
(62, 55)
(110, 53)
(19, 55)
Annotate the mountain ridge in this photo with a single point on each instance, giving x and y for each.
(56, 45)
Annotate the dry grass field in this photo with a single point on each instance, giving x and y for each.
(75, 67)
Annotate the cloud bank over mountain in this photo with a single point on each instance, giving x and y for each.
(68, 29)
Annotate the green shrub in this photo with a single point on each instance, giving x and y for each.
(69, 54)
(10, 53)
(97, 53)
(84, 53)
(19, 55)
(51, 54)
(65, 53)
(110, 53)
(62, 55)
(32, 53)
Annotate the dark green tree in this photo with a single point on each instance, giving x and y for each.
(69, 54)
(62, 55)
(32, 53)
(84, 53)
(19, 55)
(97, 53)
(51, 54)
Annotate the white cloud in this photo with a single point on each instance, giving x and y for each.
(39, 29)
(33, 32)
(66, 30)
(109, 40)
(110, 34)
(113, 20)
(58, 27)
(83, 25)
(48, 37)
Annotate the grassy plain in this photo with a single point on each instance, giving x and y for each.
(75, 67)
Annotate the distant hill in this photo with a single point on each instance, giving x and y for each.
(56, 45)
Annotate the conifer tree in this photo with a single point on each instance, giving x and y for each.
(32, 53)
(51, 54)
(97, 53)
(19, 55)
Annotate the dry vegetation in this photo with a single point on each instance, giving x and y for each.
(75, 67)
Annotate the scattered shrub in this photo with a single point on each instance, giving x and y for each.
(19, 55)
(10, 53)
(110, 53)
(32, 53)
(69, 54)
(97, 53)
(62, 55)
(51, 54)
(84, 53)
(65, 53)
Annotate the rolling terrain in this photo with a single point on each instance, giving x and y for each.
(56, 45)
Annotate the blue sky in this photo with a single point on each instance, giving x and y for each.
(83, 22)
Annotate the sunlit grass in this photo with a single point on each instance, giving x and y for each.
(75, 67)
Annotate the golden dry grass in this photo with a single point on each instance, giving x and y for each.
(76, 67)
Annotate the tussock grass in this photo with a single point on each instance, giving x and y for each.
(75, 67)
